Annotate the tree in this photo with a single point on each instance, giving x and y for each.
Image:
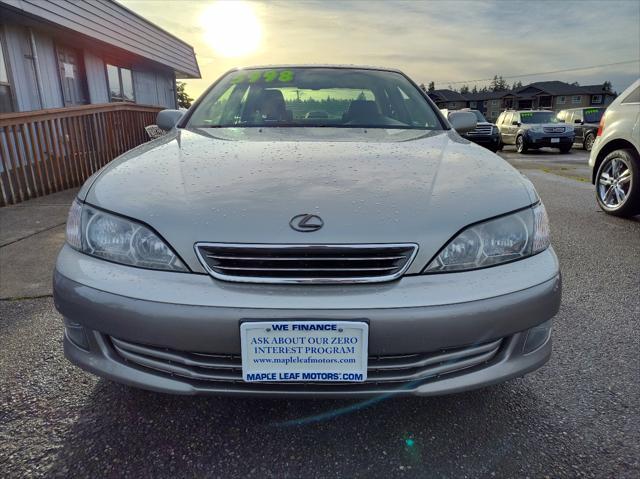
(432, 86)
(474, 89)
(498, 84)
(464, 89)
(575, 83)
(607, 87)
(423, 88)
(184, 100)
(516, 85)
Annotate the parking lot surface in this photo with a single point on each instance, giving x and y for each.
(576, 417)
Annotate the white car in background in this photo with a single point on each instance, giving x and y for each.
(615, 157)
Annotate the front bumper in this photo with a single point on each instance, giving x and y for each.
(544, 139)
(489, 141)
(195, 313)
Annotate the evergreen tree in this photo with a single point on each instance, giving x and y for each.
(432, 86)
(607, 87)
(464, 89)
(474, 89)
(184, 100)
(493, 86)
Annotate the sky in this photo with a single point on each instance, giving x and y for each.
(436, 40)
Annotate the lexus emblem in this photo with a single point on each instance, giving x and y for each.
(306, 223)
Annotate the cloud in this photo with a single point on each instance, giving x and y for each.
(434, 40)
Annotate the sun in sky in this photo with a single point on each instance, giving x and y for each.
(231, 28)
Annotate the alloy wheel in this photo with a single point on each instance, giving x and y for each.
(614, 183)
(588, 142)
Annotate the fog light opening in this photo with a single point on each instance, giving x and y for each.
(76, 334)
(537, 337)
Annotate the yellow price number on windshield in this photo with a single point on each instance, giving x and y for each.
(269, 76)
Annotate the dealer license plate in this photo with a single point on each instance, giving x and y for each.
(304, 351)
(555, 140)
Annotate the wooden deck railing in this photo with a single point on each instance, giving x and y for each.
(45, 151)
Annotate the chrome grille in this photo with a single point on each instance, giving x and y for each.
(553, 129)
(481, 130)
(227, 368)
(297, 263)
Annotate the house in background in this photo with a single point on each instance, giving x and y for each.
(63, 53)
(490, 103)
(557, 95)
(80, 80)
(449, 99)
(548, 95)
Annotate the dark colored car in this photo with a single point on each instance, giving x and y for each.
(484, 134)
(585, 123)
(533, 129)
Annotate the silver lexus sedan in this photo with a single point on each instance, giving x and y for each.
(258, 249)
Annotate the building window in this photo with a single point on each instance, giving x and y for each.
(494, 102)
(473, 104)
(6, 105)
(452, 106)
(596, 99)
(561, 100)
(576, 99)
(120, 83)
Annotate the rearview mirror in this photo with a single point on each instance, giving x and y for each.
(167, 119)
(462, 121)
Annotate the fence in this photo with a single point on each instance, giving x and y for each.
(45, 151)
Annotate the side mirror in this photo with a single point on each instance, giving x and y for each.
(577, 121)
(515, 123)
(167, 119)
(462, 121)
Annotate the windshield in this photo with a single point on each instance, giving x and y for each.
(479, 116)
(538, 117)
(593, 115)
(315, 97)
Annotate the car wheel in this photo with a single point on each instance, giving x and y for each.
(565, 149)
(500, 146)
(618, 183)
(521, 145)
(588, 141)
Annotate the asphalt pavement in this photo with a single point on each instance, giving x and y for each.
(578, 416)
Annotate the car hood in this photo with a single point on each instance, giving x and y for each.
(369, 186)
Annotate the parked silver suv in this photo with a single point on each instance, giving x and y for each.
(615, 156)
(532, 129)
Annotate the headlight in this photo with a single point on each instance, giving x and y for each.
(536, 129)
(118, 239)
(508, 238)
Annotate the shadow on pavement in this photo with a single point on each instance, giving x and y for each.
(127, 431)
